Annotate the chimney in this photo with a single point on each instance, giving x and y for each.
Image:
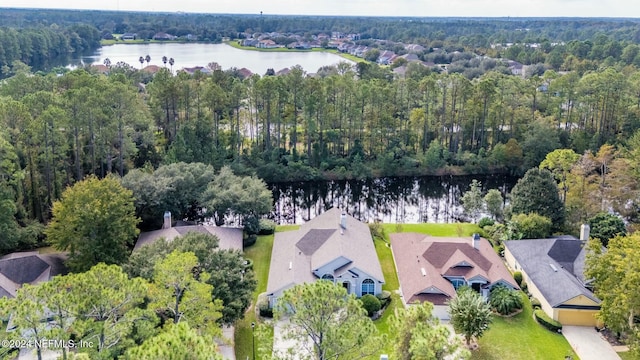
(475, 241)
(343, 220)
(167, 220)
(584, 232)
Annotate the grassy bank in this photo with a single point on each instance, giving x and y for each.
(236, 44)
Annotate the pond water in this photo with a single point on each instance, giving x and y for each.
(200, 54)
(389, 199)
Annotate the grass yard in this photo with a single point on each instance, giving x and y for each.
(452, 230)
(260, 253)
(521, 337)
(627, 355)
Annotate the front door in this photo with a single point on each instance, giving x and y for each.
(347, 285)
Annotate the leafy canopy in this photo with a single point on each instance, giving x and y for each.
(470, 314)
(327, 323)
(95, 222)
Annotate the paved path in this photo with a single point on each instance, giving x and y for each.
(226, 347)
(588, 343)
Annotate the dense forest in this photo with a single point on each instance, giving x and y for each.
(344, 122)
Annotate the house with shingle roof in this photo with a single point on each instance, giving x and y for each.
(333, 246)
(554, 272)
(230, 238)
(432, 268)
(17, 269)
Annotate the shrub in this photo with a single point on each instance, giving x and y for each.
(524, 287)
(266, 227)
(249, 240)
(265, 309)
(384, 297)
(517, 276)
(485, 221)
(377, 230)
(504, 300)
(543, 319)
(535, 303)
(370, 303)
(248, 264)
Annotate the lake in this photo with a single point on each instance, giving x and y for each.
(388, 199)
(200, 54)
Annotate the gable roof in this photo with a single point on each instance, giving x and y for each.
(424, 263)
(17, 269)
(229, 238)
(296, 255)
(554, 265)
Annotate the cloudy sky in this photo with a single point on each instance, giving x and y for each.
(474, 8)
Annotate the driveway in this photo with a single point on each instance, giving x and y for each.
(588, 343)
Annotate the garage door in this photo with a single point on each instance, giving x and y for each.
(577, 317)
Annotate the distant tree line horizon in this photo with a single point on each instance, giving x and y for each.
(39, 38)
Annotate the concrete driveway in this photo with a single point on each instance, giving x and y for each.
(282, 345)
(588, 343)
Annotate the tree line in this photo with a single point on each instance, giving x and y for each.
(348, 122)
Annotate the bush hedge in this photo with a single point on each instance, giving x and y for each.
(485, 221)
(249, 240)
(384, 297)
(265, 309)
(546, 321)
(267, 227)
(517, 276)
(371, 304)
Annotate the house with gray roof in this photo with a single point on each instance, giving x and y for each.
(17, 269)
(230, 238)
(333, 246)
(554, 272)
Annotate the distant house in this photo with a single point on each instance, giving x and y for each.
(267, 44)
(249, 42)
(284, 71)
(432, 268)
(230, 238)
(414, 48)
(162, 36)
(245, 73)
(129, 36)
(193, 70)
(554, 272)
(515, 67)
(17, 269)
(333, 246)
(151, 69)
(100, 68)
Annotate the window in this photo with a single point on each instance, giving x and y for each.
(327, 277)
(368, 287)
(458, 283)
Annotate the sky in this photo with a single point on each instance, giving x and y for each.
(420, 8)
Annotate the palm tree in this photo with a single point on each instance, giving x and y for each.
(141, 59)
(107, 62)
(164, 60)
(147, 59)
(171, 62)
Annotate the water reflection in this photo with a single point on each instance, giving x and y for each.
(389, 199)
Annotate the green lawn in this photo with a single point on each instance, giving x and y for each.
(521, 337)
(457, 229)
(626, 355)
(260, 253)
